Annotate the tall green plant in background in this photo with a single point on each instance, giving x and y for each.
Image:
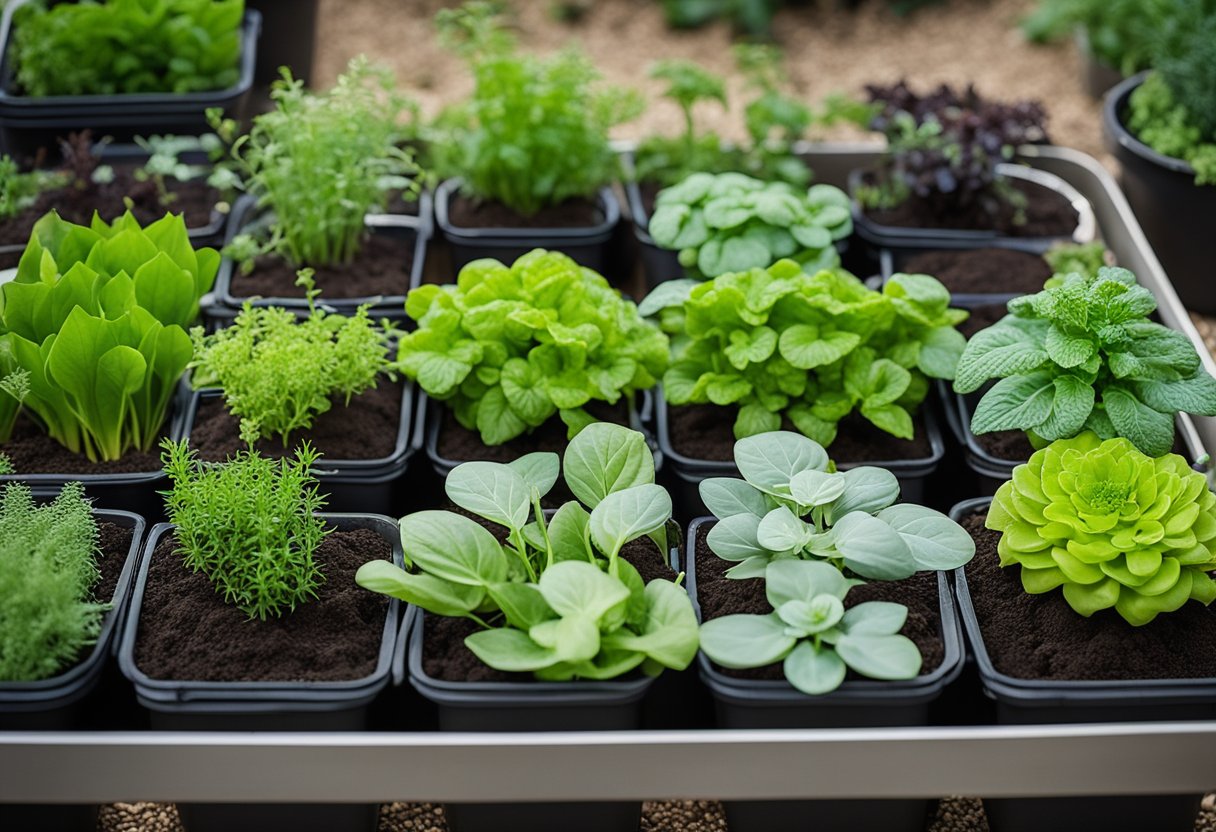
(1120, 32)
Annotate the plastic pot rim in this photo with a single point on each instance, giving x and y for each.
(540, 237)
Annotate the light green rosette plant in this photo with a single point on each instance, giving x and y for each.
(1115, 528)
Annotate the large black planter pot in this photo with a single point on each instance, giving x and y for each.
(27, 124)
(1175, 213)
(745, 703)
(1038, 702)
(589, 246)
(290, 28)
(184, 705)
(62, 702)
(892, 262)
(614, 705)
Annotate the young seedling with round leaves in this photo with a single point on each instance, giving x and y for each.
(249, 525)
(1111, 526)
(556, 598)
(730, 222)
(780, 343)
(1083, 355)
(509, 347)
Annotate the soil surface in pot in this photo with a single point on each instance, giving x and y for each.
(33, 452)
(382, 267)
(114, 541)
(1041, 637)
(188, 632)
(720, 595)
(459, 444)
(1048, 214)
(466, 212)
(706, 431)
(982, 317)
(367, 428)
(1011, 445)
(983, 270)
(195, 200)
(444, 655)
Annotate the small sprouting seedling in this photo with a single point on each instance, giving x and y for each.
(249, 525)
(19, 191)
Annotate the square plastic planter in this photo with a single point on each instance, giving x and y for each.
(1034, 702)
(27, 124)
(745, 703)
(589, 246)
(892, 262)
(60, 703)
(186, 705)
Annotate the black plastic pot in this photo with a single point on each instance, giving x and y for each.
(27, 124)
(899, 238)
(1038, 702)
(290, 39)
(183, 705)
(770, 704)
(892, 262)
(687, 473)
(61, 702)
(246, 219)
(989, 471)
(1175, 213)
(352, 485)
(588, 246)
(1097, 76)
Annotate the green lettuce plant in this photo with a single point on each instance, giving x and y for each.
(730, 222)
(780, 343)
(94, 322)
(47, 571)
(1083, 355)
(1113, 527)
(249, 525)
(279, 373)
(810, 531)
(556, 598)
(509, 347)
(127, 46)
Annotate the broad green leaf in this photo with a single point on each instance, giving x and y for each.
(669, 634)
(735, 537)
(872, 549)
(1149, 430)
(874, 618)
(936, 541)
(880, 657)
(940, 352)
(490, 490)
(1016, 403)
(813, 670)
(432, 594)
(668, 293)
(769, 461)
(997, 352)
(803, 580)
(805, 347)
(727, 496)
(817, 488)
(568, 532)
(580, 590)
(1073, 402)
(523, 604)
(510, 650)
(781, 532)
(742, 641)
(606, 458)
(539, 470)
(496, 422)
(452, 547)
(626, 515)
(867, 489)
(574, 638)
(1196, 395)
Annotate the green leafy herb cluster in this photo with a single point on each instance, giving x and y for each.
(127, 46)
(1158, 118)
(1115, 528)
(95, 322)
(805, 528)
(47, 571)
(556, 598)
(534, 133)
(279, 373)
(730, 222)
(1084, 356)
(20, 190)
(509, 347)
(752, 17)
(811, 348)
(1119, 32)
(167, 162)
(320, 161)
(1079, 258)
(249, 525)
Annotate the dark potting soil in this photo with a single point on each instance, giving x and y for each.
(982, 317)
(1048, 214)
(445, 656)
(114, 541)
(719, 595)
(459, 444)
(1011, 445)
(465, 212)
(381, 268)
(983, 270)
(1041, 637)
(187, 631)
(195, 200)
(365, 429)
(706, 431)
(33, 452)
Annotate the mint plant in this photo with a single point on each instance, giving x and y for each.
(127, 46)
(249, 525)
(509, 347)
(319, 162)
(783, 344)
(1111, 526)
(556, 598)
(95, 324)
(1083, 355)
(47, 571)
(730, 222)
(279, 373)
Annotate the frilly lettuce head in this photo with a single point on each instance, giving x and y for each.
(508, 347)
(1112, 526)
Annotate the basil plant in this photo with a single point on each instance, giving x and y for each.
(812, 532)
(555, 598)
